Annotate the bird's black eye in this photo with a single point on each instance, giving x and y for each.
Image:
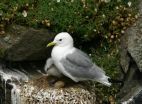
(60, 39)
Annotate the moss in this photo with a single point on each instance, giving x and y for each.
(2, 53)
(84, 19)
(109, 61)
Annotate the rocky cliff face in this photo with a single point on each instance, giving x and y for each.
(131, 61)
(24, 87)
(24, 43)
(38, 91)
(22, 80)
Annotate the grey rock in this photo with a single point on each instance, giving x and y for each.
(131, 43)
(135, 43)
(32, 93)
(124, 58)
(23, 43)
(29, 85)
(131, 60)
(38, 91)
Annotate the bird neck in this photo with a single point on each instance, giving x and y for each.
(61, 51)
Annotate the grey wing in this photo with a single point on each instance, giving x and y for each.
(78, 64)
(80, 58)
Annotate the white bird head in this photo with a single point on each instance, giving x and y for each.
(62, 39)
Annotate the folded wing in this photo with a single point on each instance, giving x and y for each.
(80, 66)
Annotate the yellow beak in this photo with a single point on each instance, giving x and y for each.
(51, 44)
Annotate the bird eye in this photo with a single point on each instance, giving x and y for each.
(60, 39)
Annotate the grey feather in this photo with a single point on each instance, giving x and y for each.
(51, 69)
(79, 58)
(80, 66)
(49, 63)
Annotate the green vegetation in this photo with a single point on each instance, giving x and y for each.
(93, 23)
(109, 61)
(85, 19)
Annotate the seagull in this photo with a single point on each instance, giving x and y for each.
(72, 62)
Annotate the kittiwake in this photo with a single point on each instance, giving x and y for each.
(72, 62)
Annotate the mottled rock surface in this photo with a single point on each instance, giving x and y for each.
(28, 85)
(24, 43)
(131, 60)
(135, 42)
(38, 91)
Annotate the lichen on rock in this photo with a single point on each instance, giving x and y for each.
(43, 94)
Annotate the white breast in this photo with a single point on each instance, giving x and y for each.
(59, 53)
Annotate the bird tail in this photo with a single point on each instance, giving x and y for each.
(104, 81)
(100, 76)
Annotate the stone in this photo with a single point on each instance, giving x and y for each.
(138, 98)
(25, 44)
(135, 43)
(124, 58)
(131, 61)
(39, 92)
(59, 84)
(24, 83)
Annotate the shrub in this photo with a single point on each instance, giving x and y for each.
(85, 19)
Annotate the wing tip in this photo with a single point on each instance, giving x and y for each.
(107, 84)
(105, 81)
